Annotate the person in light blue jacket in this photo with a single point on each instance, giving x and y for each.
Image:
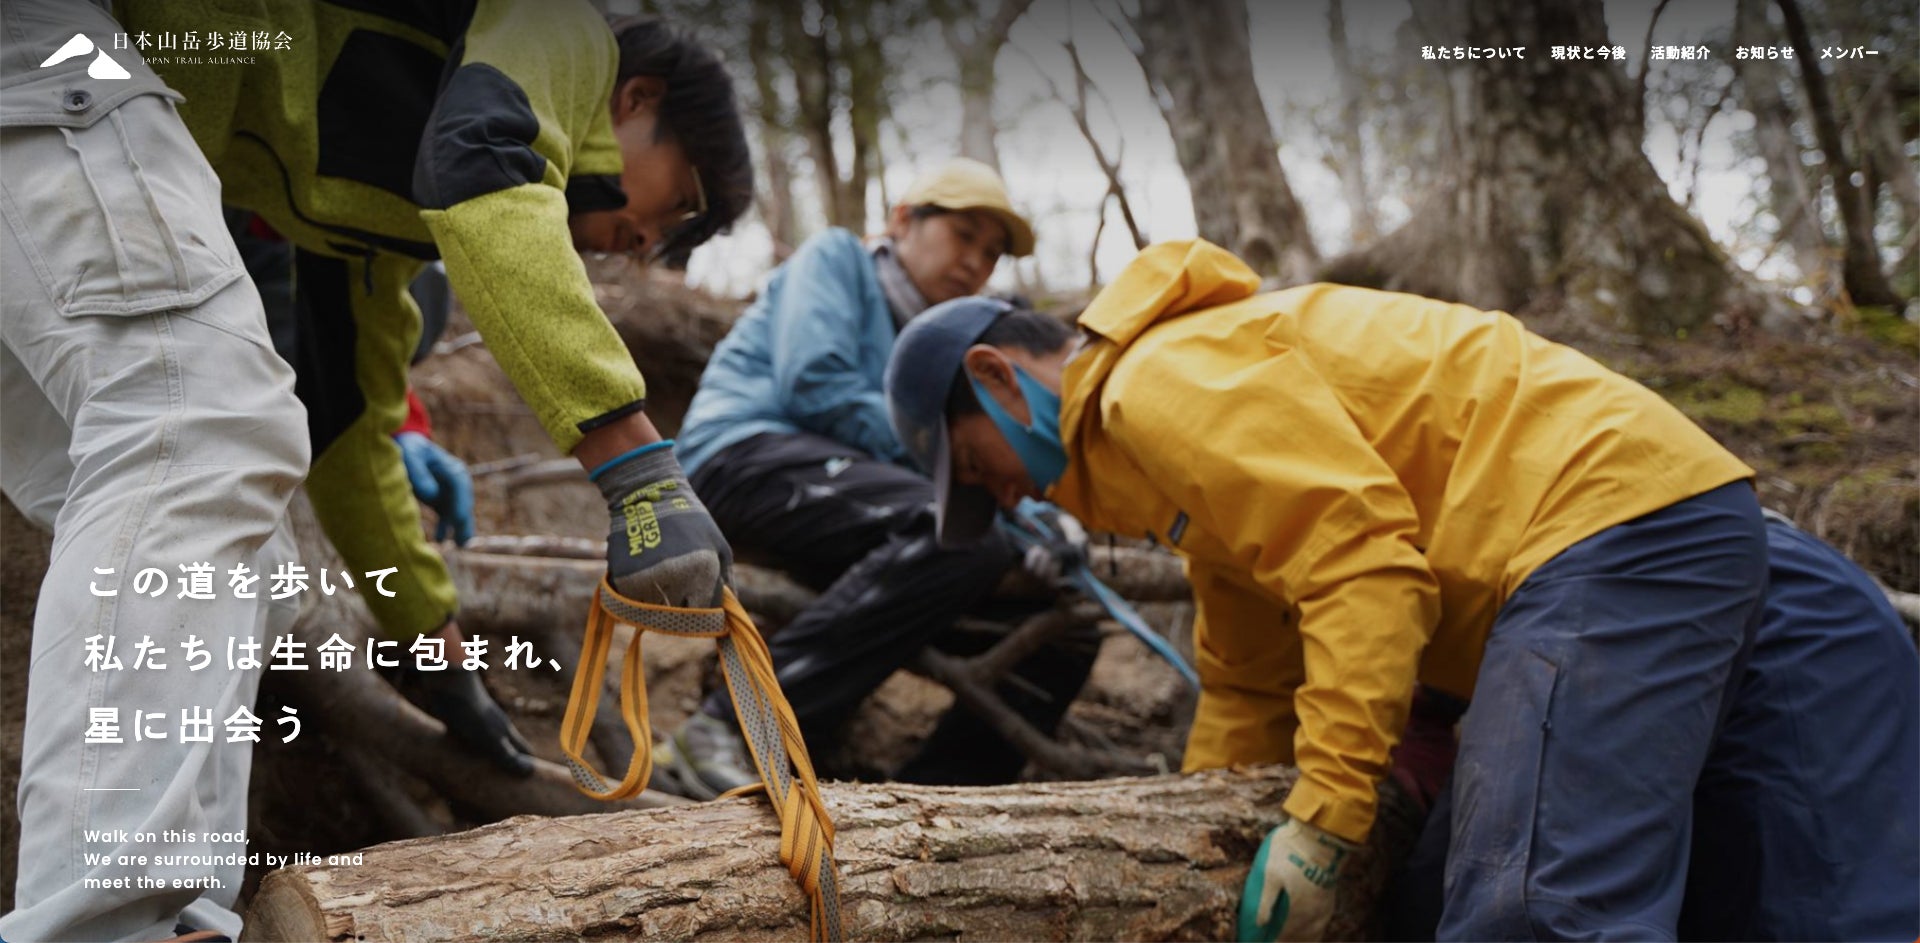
(807, 357)
(789, 444)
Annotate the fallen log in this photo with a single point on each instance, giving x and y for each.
(1136, 574)
(1906, 604)
(525, 581)
(1159, 858)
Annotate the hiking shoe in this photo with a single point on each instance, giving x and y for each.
(710, 757)
(663, 778)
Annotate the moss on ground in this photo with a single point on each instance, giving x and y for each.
(1888, 328)
(1832, 427)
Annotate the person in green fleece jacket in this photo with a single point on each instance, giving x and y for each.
(499, 136)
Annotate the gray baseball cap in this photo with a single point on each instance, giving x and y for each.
(926, 358)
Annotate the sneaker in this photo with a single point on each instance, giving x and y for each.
(663, 778)
(710, 757)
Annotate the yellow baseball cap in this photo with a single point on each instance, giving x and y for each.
(962, 184)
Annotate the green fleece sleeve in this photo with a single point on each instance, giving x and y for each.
(528, 293)
(354, 385)
(519, 138)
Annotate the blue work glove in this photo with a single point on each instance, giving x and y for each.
(441, 482)
(662, 546)
(1290, 891)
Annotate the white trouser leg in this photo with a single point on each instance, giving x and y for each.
(34, 477)
(224, 791)
(183, 442)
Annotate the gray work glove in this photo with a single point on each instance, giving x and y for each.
(1056, 556)
(662, 546)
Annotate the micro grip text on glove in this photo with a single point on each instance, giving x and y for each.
(662, 545)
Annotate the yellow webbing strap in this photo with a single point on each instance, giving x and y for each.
(772, 734)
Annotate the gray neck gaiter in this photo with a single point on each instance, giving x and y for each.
(903, 298)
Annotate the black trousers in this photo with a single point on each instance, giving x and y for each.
(861, 533)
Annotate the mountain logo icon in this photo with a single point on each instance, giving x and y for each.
(102, 67)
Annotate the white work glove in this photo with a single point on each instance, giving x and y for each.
(1290, 891)
(1048, 562)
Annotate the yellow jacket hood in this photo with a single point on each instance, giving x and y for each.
(1165, 281)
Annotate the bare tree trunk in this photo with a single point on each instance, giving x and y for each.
(979, 135)
(976, 50)
(859, 32)
(810, 55)
(776, 199)
(1793, 202)
(1885, 117)
(1860, 266)
(1349, 146)
(834, 50)
(1552, 194)
(1197, 61)
(1131, 859)
(1878, 128)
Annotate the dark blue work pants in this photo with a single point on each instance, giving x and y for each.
(1805, 820)
(1605, 678)
(1804, 815)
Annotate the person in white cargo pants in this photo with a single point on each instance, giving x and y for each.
(146, 420)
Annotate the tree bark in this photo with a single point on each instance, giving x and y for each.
(1885, 115)
(508, 592)
(776, 197)
(1865, 278)
(979, 134)
(1133, 859)
(1792, 202)
(1349, 145)
(975, 51)
(859, 34)
(1200, 68)
(834, 49)
(1884, 149)
(1551, 194)
(809, 55)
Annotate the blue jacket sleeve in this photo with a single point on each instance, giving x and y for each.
(828, 299)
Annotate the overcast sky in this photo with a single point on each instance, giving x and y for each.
(1054, 179)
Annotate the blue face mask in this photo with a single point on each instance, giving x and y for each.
(1037, 445)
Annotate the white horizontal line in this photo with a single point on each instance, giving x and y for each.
(112, 789)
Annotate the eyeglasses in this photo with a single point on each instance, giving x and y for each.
(671, 236)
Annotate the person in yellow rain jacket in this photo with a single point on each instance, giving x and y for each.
(1372, 490)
